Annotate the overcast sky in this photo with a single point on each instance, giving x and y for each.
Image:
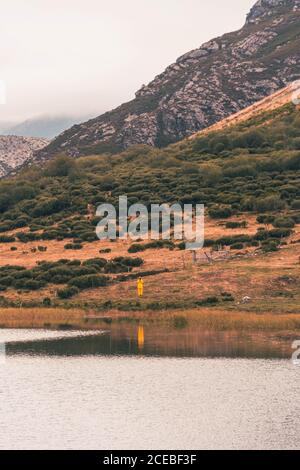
(88, 56)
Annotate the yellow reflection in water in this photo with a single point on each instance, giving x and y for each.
(141, 337)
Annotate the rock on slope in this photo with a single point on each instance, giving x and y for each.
(204, 86)
(289, 94)
(15, 151)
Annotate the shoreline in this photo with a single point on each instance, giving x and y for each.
(207, 318)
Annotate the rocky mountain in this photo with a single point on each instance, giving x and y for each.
(289, 94)
(204, 86)
(15, 151)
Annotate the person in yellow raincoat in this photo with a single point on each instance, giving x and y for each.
(140, 287)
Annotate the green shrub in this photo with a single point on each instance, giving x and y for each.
(237, 246)
(49, 206)
(74, 262)
(233, 225)
(89, 281)
(25, 274)
(208, 301)
(284, 222)
(280, 233)
(7, 281)
(228, 241)
(115, 268)
(156, 244)
(73, 246)
(98, 262)
(61, 166)
(227, 297)
(265, 219)
(7, 239)
(136, 248)
(29, 284)
(295, 204)
(270, 247)
(26, 237)
(68, 292)
(220, 212)
(130, 262)
(269, 204)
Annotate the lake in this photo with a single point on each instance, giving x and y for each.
(147, 388)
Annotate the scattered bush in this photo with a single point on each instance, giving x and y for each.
(29, 284)
(233, 225)
(135, 247)
(68, 292)
(284, 222)
(73, 246)
(269, 204)
(237, 246)
(295, 204)
(265, 219)
(270, 247)
(7, 239)
(98, 262)
(130, 262)
(220, 212)
(89, 281)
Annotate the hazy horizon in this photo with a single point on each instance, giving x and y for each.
(86, 57)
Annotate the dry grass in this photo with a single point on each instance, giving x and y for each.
(39, 317)
(258, 276)
(208, 319)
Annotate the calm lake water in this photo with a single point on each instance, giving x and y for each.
(135, 388)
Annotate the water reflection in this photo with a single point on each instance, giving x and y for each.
(141, 338)
(157, 341)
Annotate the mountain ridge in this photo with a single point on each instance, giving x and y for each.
(204, 86)
(42, 127)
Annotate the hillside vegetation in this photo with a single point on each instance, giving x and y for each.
(247, 175)
(237, 168)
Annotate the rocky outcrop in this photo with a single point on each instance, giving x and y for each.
(204, 86)
(16, 151)
(282, 97)
(263, 9)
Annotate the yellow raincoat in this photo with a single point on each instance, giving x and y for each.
(140, 287)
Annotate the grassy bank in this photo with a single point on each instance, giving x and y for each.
(209, 319)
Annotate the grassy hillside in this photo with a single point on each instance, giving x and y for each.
(248, 176)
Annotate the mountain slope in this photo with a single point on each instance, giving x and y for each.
(203, 87)
(248, 177)
(270, 103)
(45, 127)
(15, 151)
